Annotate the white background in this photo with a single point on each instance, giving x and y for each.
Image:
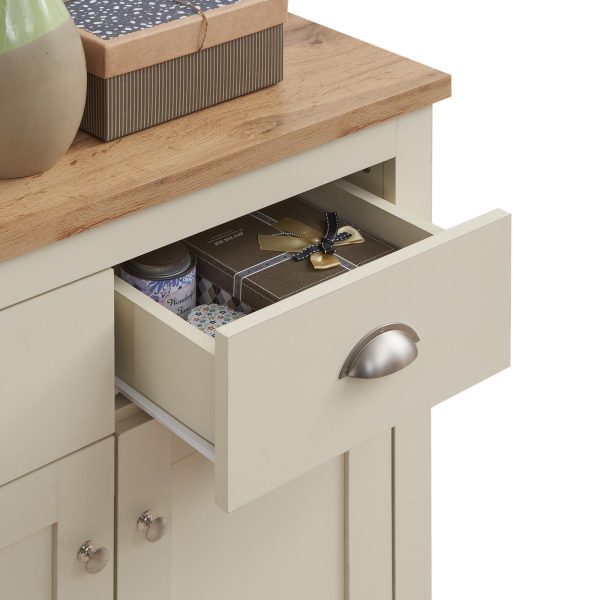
(516, 496)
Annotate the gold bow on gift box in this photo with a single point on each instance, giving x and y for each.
(296, 237)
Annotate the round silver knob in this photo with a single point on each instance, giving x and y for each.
(155, 528)
(95, 559)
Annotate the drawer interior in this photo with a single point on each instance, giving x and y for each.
(363, 210)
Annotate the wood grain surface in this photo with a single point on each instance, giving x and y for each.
(334, 85)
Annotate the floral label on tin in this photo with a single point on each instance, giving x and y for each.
(177, 294)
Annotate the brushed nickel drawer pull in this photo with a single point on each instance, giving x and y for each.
(155, 528)
(95, 559)
(381, 352)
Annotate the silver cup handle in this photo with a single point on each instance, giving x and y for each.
(383, 351)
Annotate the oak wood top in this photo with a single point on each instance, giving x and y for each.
(334, 85)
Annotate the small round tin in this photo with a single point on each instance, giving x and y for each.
(166, 275)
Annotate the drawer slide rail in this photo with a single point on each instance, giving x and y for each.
(167, 420)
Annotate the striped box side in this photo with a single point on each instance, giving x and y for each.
(134, 101)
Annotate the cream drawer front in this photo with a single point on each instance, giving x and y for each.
(56, 374)
(267, 390)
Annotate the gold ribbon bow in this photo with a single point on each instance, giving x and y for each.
(302, 236)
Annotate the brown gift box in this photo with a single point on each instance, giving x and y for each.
(148, 76)
(230, 257)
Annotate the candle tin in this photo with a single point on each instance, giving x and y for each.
(167, 275)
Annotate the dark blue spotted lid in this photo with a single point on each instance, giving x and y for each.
(109, 19)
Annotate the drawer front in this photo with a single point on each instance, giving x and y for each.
(57, 374)
(280, 408)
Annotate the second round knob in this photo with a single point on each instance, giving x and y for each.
(154, 527)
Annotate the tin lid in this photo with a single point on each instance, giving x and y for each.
(165, 262)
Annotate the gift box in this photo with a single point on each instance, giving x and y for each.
(150, 61)
(282, 249)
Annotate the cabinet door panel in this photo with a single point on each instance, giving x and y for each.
(28, 505)
(369, 520)
(325, 536)
(26, 567)
(85, 512)
(412, 509)
(288, 544)
(143, 483)
(48, 514)
(30, 509)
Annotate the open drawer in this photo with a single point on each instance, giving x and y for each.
(267, 392)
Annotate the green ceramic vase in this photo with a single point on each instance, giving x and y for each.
(42, 85)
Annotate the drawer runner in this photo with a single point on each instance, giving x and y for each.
(197, 442)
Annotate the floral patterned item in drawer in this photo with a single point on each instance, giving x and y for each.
(209, 317)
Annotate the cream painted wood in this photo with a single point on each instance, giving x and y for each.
(164, 358)
(393, 224)
(26, 568)
(371, 179)
(406, 179)
(124, 409)
(286, 420)
(86, 494)
(143, 483)
(300, 413)
(288, 544)
(412, 507)
(369, 520)
(112, 243)
(180, 450)
(29, 504)
(57, 374)
(48, 514)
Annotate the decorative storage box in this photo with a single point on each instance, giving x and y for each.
(150, 61)
(230, 257)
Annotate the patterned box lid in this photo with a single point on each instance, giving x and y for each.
(109, 19)
(121, 36)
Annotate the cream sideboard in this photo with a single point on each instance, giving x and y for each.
(244, 465)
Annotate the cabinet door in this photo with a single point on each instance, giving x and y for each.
(47, 515)
(143, 485)
(325, 536)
